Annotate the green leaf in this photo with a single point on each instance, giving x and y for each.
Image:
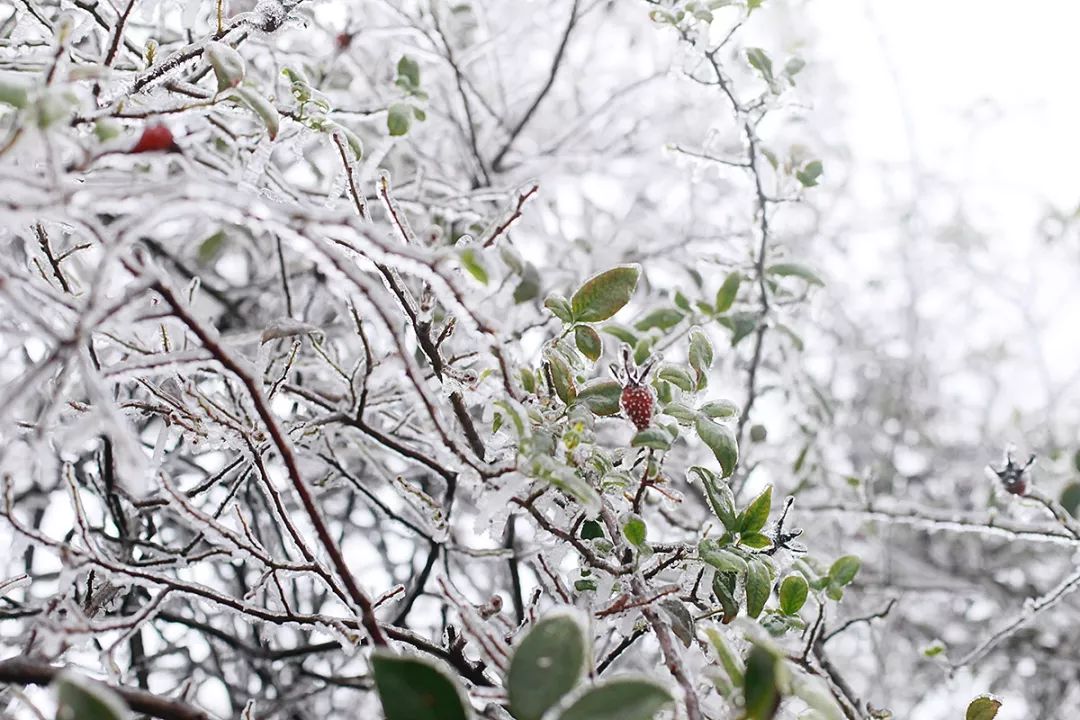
(591, 530)
(701, 351)
(604, 294)
(730, 661)
(528, 380)
(409, 70)
(623, 698)
(682, 622)
(561, 378)
(721, 559)
(1070, 499)
(724, 584)
(934, 649)
(559, 307)
(844, 570)
(601, 396)
(810, 173)
(1076, 461)
(634, 529)
(793, 67)
(721, 440)
(758, 587)
(398, 118)
(762, 696)
(80, 698)
(760, 61)
(13, 93)
(621, 332)
(54, 104)
(211, 247)
(815, 693)
(529, 287)
(725, 296)
(676, 376)
(793, 592)
(262, 107)
(572, 484)
(680, 412)
(474, 264)
(721, 499)
(227, 64)
(795, 270)
(651, 438)
(984, 707)
(663, 318)
(353, 140)
(755, 540)
(411, 688)
(588, 342)
(105, 129)
(757, 512)
(758, 433)
(548, 663)
(741, 325)
(720, 409)
(642, 350)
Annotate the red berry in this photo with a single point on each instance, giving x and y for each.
(155, 138)
(637, 402)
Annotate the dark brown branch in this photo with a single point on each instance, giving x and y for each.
(497, 163)
(24, 671)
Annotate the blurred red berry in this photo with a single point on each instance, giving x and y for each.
(637, 402)
(155, 138)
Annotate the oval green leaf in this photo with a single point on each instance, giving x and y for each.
(634, 529)
(601, 396)
(677, 376)
(262, 107)
(662, 318)
(701, 351)
(720, 497)
(725, 296)
(547, 664)
(80, 698)
(605, 294)
(984, 707)
(844, 570)
(721, 440)
(759, 689)
(795, 270)
(654, 438)
(411, 688)
(793, 592)
(398, 118)
(757, 512)
(588, 342)
(227, 64)
(758, 587)
(620, 699)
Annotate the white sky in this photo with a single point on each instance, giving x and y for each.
(988, 90)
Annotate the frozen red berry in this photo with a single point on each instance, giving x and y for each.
(1013, 475)
(637, 402)
(155, 138)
